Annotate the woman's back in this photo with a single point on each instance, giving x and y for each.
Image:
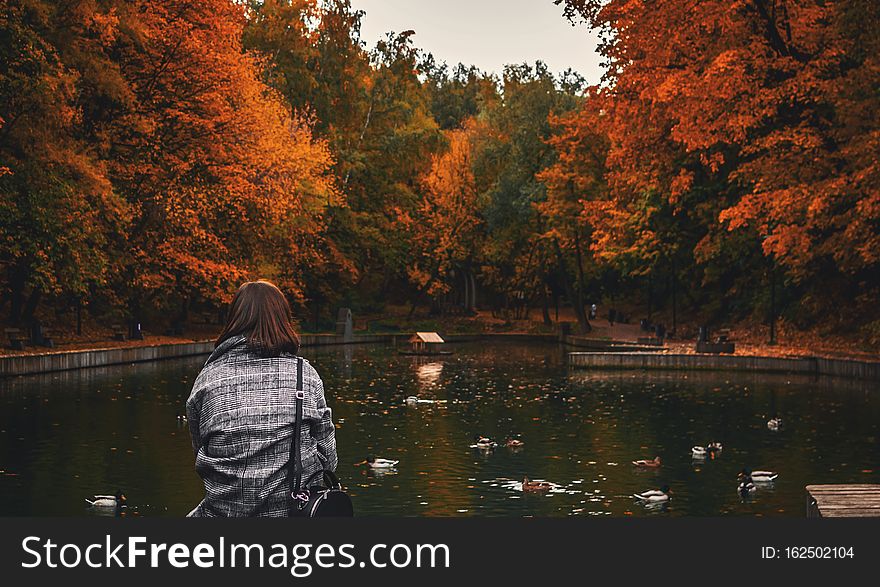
(241, 413)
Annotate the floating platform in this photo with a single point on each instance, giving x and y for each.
(843, 501)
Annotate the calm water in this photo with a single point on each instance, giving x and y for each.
(67, 436)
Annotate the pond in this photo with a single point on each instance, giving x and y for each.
(67, 436)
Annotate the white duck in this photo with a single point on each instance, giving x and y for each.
(654, 495)
(107, 501)
(774, 424)
(699, 452)
(759, 476)
(483, 442)
(378, 463)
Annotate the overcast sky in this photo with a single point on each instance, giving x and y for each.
(487, 33)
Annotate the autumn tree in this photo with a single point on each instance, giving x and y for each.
(161, 159)
(516, 260)
(576, 199)
(59, 214)
(765, 109)
(446, 226)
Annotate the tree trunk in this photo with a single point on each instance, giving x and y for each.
(583, 323)
(79, 322)
(32, 304)
(674, 299)
(545, 308)
(582, 284)
(772, 305)
(16, 293)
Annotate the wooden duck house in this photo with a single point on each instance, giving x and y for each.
(425, 343)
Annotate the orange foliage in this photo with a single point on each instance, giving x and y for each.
(224, 177)
(445, 228)
(771, 95)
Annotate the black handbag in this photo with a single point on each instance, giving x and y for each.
(310, 500)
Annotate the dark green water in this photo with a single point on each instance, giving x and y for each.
(67, 436)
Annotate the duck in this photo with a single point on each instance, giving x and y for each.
(746, 487)
(714, 447)
(415, 400)
(514, 443)
(654, 495)
(483, 442)
(181, 418)
(698, 452)
(654, 463)
(535, 486)
(758, 476)
(378, 463)
(107, 501)
(774, 424)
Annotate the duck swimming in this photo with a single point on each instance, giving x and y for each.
(181, 418)
(746, 487)
(654, 463)
(483, 442)
(535, 486)
(378, 463)
(774, 424)
(699, 452)
(514, 443)
(654, 495)
(107, 501)
(758, 476)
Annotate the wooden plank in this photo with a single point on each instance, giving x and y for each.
(843, 501)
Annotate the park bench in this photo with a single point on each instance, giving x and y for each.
(723, 336)
(48, 338)
(120, 332)
(16, 338)
(40, 336)
(176, 329)
(721, 344)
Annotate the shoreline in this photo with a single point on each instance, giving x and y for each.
(52, 361)
(605, 354)
(814, 366)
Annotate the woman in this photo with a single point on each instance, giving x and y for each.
(242, 408)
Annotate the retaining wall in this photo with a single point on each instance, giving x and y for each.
(805, 365)
(65, 360)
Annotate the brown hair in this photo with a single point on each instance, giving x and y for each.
(261, 314)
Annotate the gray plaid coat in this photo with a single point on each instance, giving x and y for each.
(241, 413)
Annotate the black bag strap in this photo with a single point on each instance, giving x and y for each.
(295, 468)
(331, 481)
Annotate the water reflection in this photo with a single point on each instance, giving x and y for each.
(428, 374)
(70, 435)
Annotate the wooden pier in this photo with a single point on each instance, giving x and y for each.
(843, 501)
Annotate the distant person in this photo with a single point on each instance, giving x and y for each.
(593, 311)
(242, 409)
